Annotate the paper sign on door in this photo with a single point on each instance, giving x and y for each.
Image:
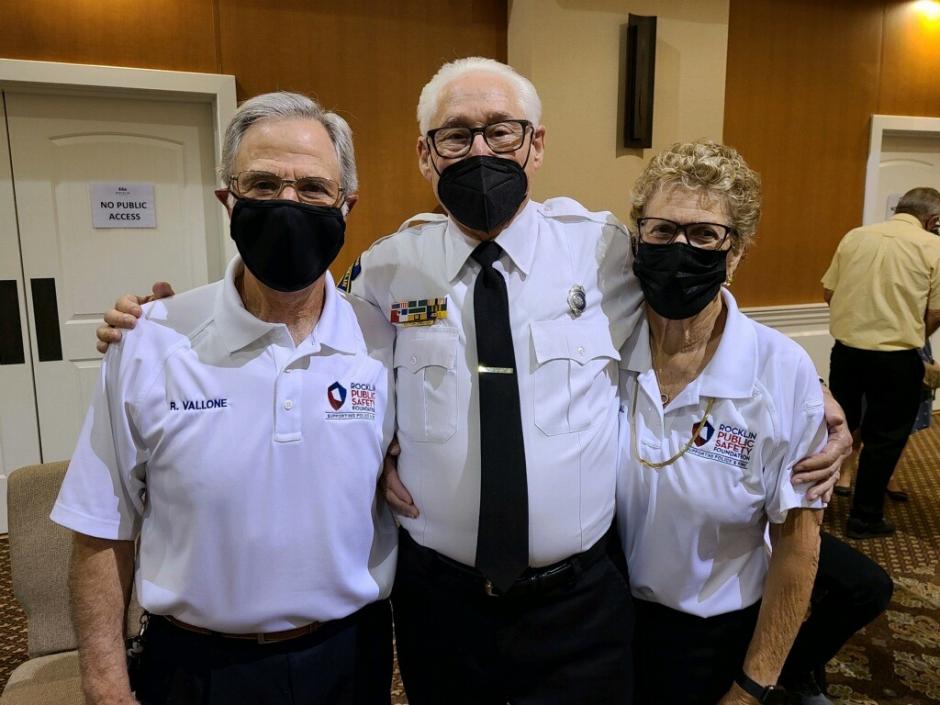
(124, 205)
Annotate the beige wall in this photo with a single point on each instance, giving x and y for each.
(572, 50)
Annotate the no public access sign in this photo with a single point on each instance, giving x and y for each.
(124, 205)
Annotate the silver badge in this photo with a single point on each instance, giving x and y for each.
(577, 300)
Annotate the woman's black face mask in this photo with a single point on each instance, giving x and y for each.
(679, 280)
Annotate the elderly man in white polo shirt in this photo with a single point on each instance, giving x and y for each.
(237, 435)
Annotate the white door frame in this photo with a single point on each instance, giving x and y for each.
(881, 125)
(218, 90)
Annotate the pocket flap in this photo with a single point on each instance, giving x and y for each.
(580, 341)
(419, 347)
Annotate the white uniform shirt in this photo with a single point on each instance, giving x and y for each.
(693, 531)
(566, 367)
(258, 457)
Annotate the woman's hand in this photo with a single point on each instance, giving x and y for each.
(391, 486)
(736, 696)
(823, 467)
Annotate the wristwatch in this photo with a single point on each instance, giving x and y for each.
(766, 695)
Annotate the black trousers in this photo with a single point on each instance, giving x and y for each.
(567, 644)
(346, 662)
(682, 659)
(890, 384)
(849, 592)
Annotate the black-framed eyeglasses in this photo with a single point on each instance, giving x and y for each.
(705, 236)
(264, 186)
(501, 137)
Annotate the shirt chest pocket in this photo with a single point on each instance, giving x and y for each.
(575, 377)
(426, 382)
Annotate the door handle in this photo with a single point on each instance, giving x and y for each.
(46, 317)
(11, 330)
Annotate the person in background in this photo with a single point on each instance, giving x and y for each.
(883, 291)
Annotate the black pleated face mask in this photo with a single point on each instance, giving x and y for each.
(483, 192)
(679, 280)
(287, 245)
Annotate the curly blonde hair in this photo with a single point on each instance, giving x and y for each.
(713, 169)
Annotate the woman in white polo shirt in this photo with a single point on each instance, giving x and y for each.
(716, 409)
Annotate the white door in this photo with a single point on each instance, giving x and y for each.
(907, 161)
(60, 148)
(19, 432)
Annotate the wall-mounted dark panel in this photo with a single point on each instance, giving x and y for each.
(11, 329)
(640, 75)
(46, 316)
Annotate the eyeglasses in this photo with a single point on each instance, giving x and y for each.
(264, 186)
(705, 236)
(501, 137)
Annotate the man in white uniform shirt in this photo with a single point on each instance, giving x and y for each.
(555, 626)
(238, 435)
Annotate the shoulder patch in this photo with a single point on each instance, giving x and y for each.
(570, 209)
(346, 282)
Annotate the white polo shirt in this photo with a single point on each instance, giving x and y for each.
(693, 531)
(245, 464)
(566, 363)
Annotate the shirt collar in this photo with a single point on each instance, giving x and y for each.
(518, 242)
(732, 371)
(909, 219)
(238, 328)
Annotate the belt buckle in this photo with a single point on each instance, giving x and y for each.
(262, 638)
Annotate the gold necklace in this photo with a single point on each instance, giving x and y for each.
(695, 429)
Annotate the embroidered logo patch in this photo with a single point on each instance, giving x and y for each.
(418, 312)
(727, 444)
(336, 395)
(360, 398)
(704, 434)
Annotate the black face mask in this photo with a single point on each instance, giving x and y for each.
(679, 280)
(287, 245)
(483, 192)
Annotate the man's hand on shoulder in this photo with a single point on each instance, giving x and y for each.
(823, 467)
(125, 313)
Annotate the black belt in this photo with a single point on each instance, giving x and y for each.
(532, 580)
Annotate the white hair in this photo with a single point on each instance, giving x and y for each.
(430, 94)
(283, 105)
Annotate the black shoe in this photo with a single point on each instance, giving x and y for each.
(898, 495)
(861, 529)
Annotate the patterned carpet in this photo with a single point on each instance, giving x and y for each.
(894, 661)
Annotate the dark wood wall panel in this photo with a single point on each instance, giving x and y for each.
(159, 34)
(366, 59)
(802, 83)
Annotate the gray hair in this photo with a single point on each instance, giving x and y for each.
(712, 169)
(430, 94)
(921, 202)
(282, 105)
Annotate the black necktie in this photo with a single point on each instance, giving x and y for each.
(503, 534)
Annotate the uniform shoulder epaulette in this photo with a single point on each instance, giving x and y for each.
(565, 207)
(420, 219)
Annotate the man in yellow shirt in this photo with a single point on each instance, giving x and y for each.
(883, 291)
